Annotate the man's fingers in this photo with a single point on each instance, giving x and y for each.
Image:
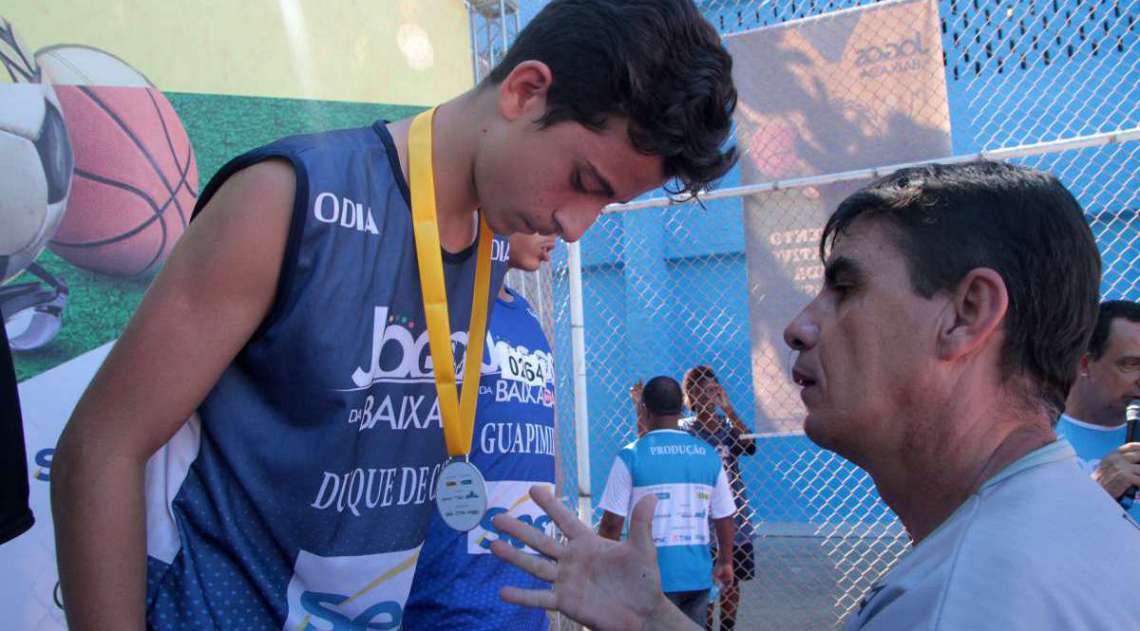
(1130, 451)
(641, 523)
(527, 534)
(563, 518)
(535, 566)
(1120, 459)
(540, 598)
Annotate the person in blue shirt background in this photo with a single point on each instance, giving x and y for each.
(457, 581)
(1108, 378)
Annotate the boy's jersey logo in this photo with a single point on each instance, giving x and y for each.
(328, 208)
(350, 593)
(513, 498)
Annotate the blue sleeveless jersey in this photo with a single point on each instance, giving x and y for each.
(458, 579)
(300, 492)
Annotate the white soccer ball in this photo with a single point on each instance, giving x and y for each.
(37, 161)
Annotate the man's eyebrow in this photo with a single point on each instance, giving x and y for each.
(607, 188)
(840, 266)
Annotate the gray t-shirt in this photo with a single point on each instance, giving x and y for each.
(1040, 546)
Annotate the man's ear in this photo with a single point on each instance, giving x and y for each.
(1084, 366)
(978, 306)
(523, 92)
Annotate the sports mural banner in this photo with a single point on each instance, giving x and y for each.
(846, 90)
(111, 121)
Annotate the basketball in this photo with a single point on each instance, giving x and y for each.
(136, 179)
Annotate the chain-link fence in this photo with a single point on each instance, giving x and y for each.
(1052, 84)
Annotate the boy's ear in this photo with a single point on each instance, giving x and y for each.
(523, 92)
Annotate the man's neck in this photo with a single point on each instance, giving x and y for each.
(664, 422)
(1102, 415)
(937, 473)
(455, 138)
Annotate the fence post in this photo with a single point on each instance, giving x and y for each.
(578, 350)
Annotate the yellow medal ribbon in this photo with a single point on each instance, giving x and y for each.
(458, 420)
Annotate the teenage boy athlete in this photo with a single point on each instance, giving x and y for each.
(268, 424)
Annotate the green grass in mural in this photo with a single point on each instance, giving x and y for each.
(220, 127)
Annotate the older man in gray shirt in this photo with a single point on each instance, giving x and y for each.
(956, 303)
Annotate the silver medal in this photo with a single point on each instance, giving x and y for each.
(461, 495)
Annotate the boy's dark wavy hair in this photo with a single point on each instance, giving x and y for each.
(657, 63)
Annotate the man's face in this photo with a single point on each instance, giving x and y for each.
(555, 181)
(1114, 379)
(867, 344)
(702, 396)
(528, 251)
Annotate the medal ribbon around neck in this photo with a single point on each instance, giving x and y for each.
(458, 417)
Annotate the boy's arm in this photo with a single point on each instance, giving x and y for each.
(214, 291)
